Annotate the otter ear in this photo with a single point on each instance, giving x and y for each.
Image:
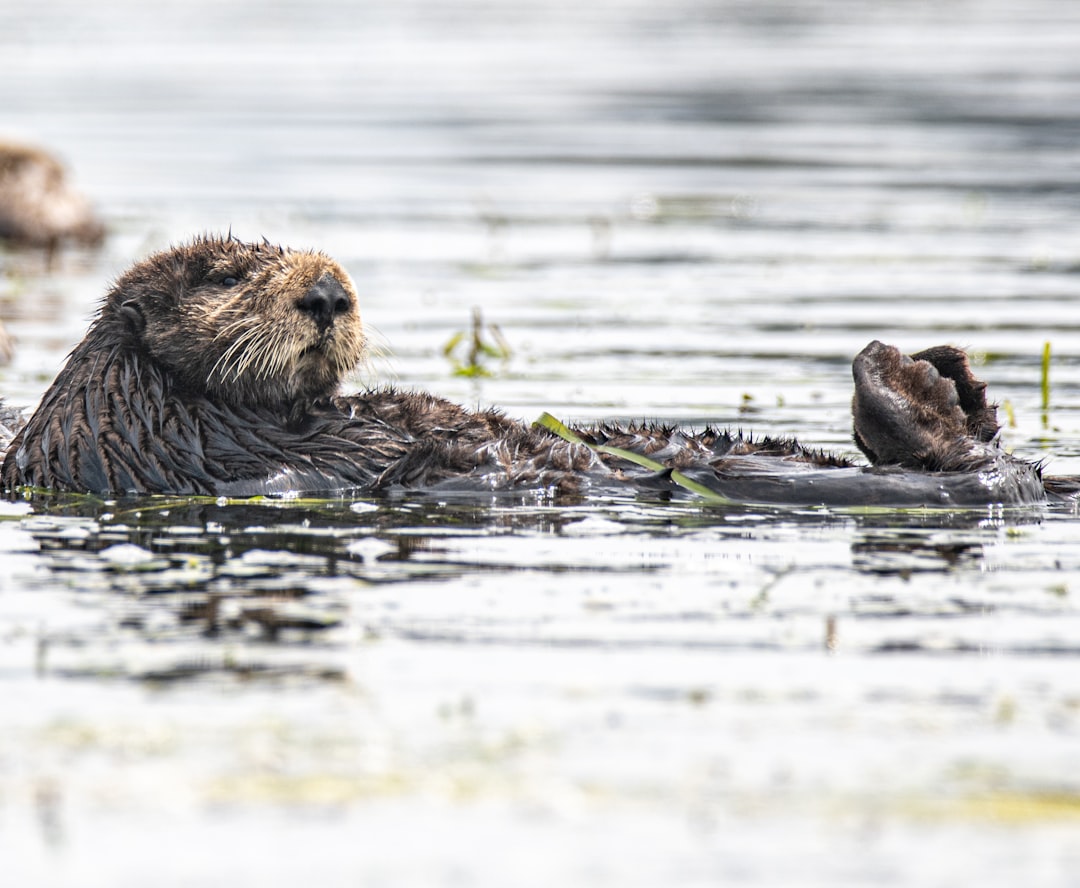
(132, 313)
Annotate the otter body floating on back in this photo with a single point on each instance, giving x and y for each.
(214, 368)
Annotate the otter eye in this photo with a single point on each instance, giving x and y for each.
(229, 281)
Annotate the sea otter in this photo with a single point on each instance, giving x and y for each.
(38, 205)
(214, 368)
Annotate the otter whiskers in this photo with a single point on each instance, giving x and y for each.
(225, 366)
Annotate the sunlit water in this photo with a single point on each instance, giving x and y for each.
(685, 211)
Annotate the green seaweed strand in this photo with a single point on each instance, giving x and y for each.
(554, 426)
(1045, 379)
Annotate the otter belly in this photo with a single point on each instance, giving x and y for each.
(1005, 482)
(769, 481)
(780, 473)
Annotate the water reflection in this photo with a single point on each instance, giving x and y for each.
(902, 553)
(186, 589)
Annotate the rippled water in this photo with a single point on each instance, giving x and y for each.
(685, 211)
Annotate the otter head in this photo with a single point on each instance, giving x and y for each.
(246, 325)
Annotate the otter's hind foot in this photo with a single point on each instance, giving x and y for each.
(953, 363)
(920, 411)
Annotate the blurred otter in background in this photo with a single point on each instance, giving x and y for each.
(38, 205)
(40, 208)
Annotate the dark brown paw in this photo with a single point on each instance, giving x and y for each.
(921, 411)
(952, 362)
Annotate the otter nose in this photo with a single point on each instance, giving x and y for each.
(326, 299)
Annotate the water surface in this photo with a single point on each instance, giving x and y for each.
(694, 211)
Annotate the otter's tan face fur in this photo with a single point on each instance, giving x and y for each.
(250, 325)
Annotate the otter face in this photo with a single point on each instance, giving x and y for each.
(250, 325)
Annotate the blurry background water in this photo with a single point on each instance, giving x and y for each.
(681, 211)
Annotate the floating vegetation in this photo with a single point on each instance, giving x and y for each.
(1045, 383)
(1010, 413)
(1008, 807)
(468, 352)
(553, 425)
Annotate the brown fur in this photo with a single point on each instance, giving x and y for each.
(926, 410)
(38, 205)
(214, 367)
(222, 317)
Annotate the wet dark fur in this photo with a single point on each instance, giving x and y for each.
(214, 368)
(923, 411)
(38, 205)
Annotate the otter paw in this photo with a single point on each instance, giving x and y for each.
(905, 411)
(952, 362)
